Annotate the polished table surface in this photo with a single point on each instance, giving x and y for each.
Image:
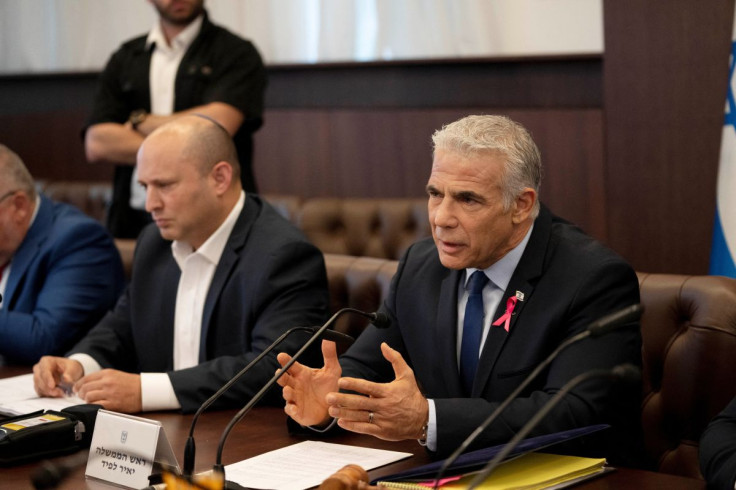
(264, 429)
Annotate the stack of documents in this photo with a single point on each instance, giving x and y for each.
(17, 397)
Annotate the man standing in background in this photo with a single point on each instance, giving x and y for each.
(185, 64)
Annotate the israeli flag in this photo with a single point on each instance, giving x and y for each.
(724, 232)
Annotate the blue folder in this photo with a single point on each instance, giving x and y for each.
(475, 460)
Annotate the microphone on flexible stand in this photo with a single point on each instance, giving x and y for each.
(189, 448)
(623, 373)
(378, 319)
(596, 329)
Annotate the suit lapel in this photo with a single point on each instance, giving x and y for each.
(29, 249)
(530, 267)
(226, 265)
(446, 333)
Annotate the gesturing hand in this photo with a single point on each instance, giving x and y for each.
(393, 411)
(305, 388)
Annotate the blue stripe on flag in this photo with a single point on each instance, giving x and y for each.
(721, 260)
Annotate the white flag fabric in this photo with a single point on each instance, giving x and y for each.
(723, 250)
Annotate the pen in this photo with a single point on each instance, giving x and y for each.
(66, 388)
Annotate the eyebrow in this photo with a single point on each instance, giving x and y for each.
(468, 195)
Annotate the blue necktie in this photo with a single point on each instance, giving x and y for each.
(472, 329)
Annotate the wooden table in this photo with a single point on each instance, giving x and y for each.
(264, 429)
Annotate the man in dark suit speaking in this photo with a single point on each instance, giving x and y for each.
(476, 309)
(216, 279)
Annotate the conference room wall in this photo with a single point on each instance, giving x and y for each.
(630, 140)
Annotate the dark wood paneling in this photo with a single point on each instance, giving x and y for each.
(387, 153)
(572, 81)
(51, 146)
(665, 76)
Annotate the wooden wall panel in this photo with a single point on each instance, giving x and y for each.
(665, 72)
(387, 153)
(50, 145)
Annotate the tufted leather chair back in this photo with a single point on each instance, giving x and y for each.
(92, 198)
(357, 282)
(381, 228)
(689, 357)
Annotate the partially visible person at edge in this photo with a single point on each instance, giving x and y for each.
(59, 269)
(185, 64)
(533, 280)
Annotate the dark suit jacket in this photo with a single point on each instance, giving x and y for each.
(64, 277)
(568, 281)
(269, 279)
(718, 449)
(218, 67)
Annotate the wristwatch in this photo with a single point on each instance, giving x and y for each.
(137, 117)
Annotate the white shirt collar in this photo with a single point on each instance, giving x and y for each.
(181, 42)
(212, 248)
(501, 271)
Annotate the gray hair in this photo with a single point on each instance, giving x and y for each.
(13, 170)
(474, 135)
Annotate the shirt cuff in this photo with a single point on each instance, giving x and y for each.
(157, 393)
(432, 428)
(89, 365)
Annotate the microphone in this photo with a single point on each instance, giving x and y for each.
(597, 328)
(379, 320)
(189, 448)
(623, 373)
(50, 474)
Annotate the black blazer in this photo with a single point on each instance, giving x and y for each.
(568, 280)
(718, 449)
(269, 279)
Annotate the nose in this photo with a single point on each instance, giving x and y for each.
(152, 200)
(441, 213)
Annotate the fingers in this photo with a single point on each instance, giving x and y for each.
(329, 354)
(47, 375)
(401, 368)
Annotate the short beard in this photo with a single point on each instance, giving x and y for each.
(180, 21)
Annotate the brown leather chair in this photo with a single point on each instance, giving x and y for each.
(126, 247)
(357, 282)
(689, 356)
(288, 206)
(382, 228)
(93, 198)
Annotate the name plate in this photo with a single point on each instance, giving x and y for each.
(124, 449)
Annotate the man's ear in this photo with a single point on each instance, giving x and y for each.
(23, 205)
(222, 175)
(524, 205)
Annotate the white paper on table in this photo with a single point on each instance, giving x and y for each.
(305, 465)
(17, 397)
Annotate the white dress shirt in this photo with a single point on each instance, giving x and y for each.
(197, 269)
(165, 61)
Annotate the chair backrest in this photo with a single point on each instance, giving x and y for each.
(689, 356)
(382, 228)
(357, 282)
(93, 198)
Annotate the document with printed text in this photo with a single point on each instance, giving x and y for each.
(305, 465)
(17, 397)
